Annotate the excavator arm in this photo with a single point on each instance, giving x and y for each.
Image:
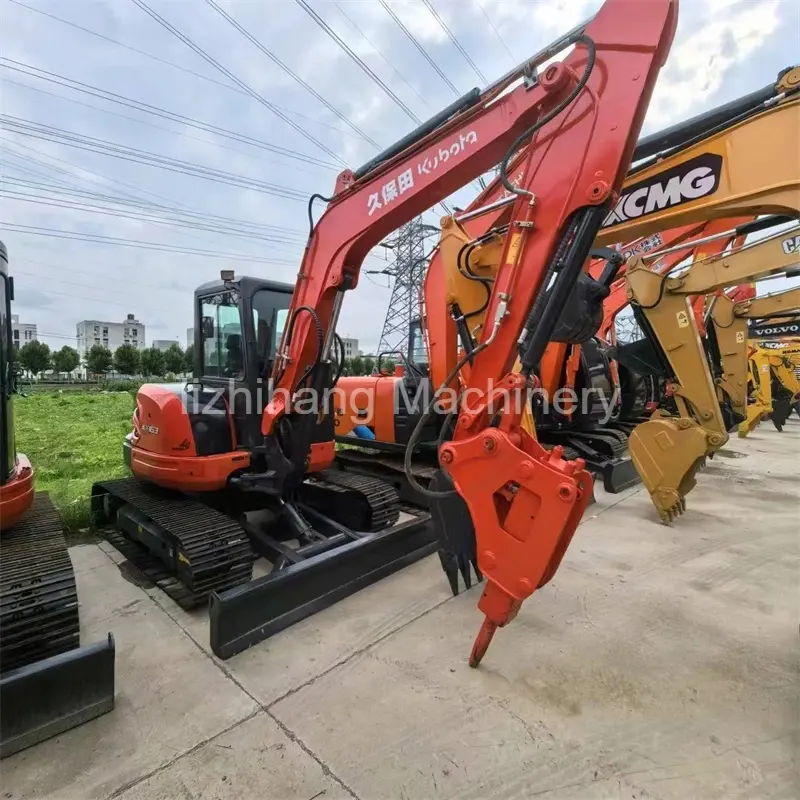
(582, 116)
(667, 451)
(730, 322)
(761, 380)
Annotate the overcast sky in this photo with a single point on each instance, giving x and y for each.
(723, 49)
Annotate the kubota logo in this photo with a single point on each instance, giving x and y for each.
(696, 178)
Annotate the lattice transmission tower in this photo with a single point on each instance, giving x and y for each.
(410, 246)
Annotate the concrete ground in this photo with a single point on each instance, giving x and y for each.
(661, 662)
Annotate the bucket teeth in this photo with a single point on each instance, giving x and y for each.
(667, 454)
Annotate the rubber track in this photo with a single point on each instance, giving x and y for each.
(216, 547)
(38, 596)
(381, 496)
(423, 470)
(615, 440)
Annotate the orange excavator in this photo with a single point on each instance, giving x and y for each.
(48, 682)
(580, 118)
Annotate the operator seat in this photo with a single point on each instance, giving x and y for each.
(234, 361)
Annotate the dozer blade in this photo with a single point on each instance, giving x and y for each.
(245, 615)
(46, 698)
(667, 453)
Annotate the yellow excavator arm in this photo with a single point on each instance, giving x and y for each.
(729, 320)
(667, 450)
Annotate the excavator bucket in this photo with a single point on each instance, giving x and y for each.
(667, 453)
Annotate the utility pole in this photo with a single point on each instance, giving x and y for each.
(410, 246)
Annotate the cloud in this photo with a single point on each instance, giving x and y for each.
(724, 48)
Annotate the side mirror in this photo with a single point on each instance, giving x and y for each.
(207, 327)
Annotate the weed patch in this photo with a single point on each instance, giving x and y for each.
(73, 439)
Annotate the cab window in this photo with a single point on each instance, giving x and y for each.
(270, 311)
(419, 353)
(223, 343)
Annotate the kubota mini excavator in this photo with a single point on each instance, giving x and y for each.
(48, 682)
(514, 505)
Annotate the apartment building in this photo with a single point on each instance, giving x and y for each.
(90, 332)
(164, 344)
(189, 337)
(350, 347)
(22, 332)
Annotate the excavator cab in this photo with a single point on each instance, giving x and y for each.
(241, 323)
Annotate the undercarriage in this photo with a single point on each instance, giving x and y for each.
(341, 532)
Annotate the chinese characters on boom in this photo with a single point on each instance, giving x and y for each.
(400, 184)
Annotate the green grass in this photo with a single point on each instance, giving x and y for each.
(73, 439)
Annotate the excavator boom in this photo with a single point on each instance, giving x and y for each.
(582, 116)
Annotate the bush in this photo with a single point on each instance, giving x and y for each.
(122, 385)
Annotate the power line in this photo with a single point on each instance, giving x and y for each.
(95, 287)
(139, 216)
(76, 270)
(453, 39)
(379, 53)
(174, 206)
(172, 64)
(496, 32)
(96, 238)
(104, 147)
(241, 84)
(218, 223)
(162, 127)
(147, 108)
(343, 46)
(275, 60)
(415, 42)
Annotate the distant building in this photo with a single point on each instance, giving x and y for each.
(189, 337)
(350, 347)
(164, 344)
(22, 332)
(90, 332)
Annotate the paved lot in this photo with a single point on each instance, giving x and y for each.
(661, 662)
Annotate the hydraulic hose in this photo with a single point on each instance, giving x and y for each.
(551, 115)
(311, 223)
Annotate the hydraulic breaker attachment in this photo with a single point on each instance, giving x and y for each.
(667, 452)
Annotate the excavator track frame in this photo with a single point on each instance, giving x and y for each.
(332, 564)
(49, 683)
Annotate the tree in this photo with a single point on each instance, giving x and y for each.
(126, 359)
(357, 365)
(369, 365)
(98, 359)
(66, 359)
(174, 359)
(188, 359)
(153, 362)
(35, 357)
(388, 365)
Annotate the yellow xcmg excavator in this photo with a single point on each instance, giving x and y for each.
(729, 331)
(775, 389)
(668, 449)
